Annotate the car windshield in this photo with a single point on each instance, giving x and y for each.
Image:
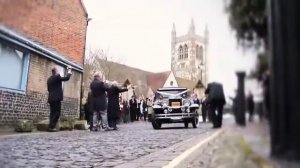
(169, 93)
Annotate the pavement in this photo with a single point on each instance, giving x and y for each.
(138, 145)
(132, 142)
(236, 147)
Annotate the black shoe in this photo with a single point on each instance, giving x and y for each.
(216, 126)
(52, 130)
(116, 128)
(94, 129)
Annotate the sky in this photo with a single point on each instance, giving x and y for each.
(138, 33)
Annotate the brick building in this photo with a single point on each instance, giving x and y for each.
(35, 36)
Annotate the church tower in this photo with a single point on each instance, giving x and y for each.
(173, 44)
(189, 53)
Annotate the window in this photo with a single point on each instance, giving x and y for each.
(199, 52)
(180, 52)
(13, 68)
(171, 83)
(186, 51)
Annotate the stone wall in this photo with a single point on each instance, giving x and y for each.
(33, 105)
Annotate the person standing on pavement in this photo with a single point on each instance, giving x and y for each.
(204, 108)
(143, 108)
(139, 109)
(149, 109)
(126, 111)
(266, 85)
(87, 108)
(98, 103)
(250, 106)
(259, 101)
(133, 108)
(113, 109)
(216, 101)
(195, 99)
(54, 86)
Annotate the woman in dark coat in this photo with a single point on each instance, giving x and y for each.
(113, 109)
(88, 108)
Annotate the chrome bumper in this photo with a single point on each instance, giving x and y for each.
(175, 116)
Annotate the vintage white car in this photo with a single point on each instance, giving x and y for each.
(174, 105)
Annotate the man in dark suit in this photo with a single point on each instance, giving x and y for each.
(133, 108)
(98, 103)
(113, 109)
(216, 101)
(54, 85)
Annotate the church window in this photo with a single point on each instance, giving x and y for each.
(199, 52)
(180, 52)
(186, 51)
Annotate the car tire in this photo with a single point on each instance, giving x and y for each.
(150, 117)
(195, 122)
(156, 124)
(186, 124)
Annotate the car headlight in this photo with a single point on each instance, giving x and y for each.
(165, 111)
(186, 102)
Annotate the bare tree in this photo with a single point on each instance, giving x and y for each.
(98, 61)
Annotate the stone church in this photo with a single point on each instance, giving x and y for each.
(189, 54)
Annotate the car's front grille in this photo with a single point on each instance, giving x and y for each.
(176, 111)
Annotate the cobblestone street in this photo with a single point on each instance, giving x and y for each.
(91, 149)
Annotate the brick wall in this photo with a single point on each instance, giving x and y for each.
(59, 24)
(39, 72)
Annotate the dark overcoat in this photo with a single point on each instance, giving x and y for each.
(98, 96)
(215, 93)
(54, 86)
(113, 110)
(133, 105)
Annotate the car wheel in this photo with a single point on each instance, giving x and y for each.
(195, 122)
(156, 124)
(149, 117)
(186, 124)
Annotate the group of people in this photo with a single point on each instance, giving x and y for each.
(139, 108)
(134, 110)
(257, 102)
(102, 103)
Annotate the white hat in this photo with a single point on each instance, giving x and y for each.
(115, 83)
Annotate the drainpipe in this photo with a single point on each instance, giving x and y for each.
(82, 83)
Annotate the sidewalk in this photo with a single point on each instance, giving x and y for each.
(235, 147)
